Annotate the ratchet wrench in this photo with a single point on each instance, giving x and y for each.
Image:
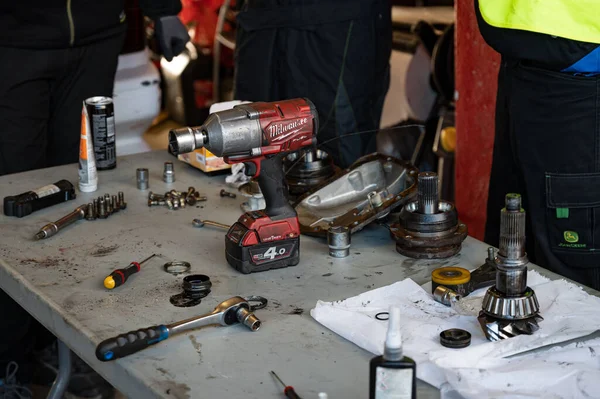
(232, 311)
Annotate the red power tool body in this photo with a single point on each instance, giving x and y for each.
(258, 135)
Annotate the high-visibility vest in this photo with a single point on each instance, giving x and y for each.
(571, 19)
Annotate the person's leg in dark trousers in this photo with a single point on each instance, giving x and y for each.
(89, 71)
(40, 115)
(505, 177)
(25, 107)
(556, 122)
(342, 67)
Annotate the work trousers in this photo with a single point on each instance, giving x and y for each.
(547, 148)
(335, 53)
(41, 96)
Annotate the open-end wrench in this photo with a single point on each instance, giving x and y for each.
(232, 311)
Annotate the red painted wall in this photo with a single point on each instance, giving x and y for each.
(476, 66)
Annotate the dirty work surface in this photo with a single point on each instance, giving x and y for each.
(59, 280)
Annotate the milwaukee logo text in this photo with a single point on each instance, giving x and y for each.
(278, 129)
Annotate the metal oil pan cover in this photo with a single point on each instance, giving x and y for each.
(369, 190)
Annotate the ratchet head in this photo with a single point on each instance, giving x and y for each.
(236, 310)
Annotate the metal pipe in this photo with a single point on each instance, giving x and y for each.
(59, 387)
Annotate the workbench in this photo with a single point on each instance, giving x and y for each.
(59, 281)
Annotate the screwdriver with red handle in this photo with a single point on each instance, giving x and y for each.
(288, 390)
(119, 276)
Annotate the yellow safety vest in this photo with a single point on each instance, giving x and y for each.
(571, 19)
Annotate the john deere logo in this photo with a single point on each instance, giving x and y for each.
(571, 236)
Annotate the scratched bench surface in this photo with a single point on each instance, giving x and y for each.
(59, 281)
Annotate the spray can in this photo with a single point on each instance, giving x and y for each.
(88, 176)
(393, 375)
(101, 111)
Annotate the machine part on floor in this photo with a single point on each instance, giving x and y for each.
(428, 228)
(232, 311)
(96, 207)
(224, 193)
(379, 316)
(52, 228)
(256, 201)
(182, 202)
(169, 173)
(120, 276)
(510, 307)
(122, 203)
(455, 338)
(344, 200)
(102, 214)
(307, 169)
(195, 287)
(89, 212)
(26, 203)
(201, 223)
(170, 204)
(258, 135)
(114, 203)
(338, 240)
(142, 178)
(177, 267)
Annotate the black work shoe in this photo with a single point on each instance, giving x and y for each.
(84, 382)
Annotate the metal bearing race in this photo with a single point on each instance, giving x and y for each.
(498, 305)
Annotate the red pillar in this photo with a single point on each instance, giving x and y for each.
(476, 68)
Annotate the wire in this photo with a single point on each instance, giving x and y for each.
(9, 387)
(350, 135)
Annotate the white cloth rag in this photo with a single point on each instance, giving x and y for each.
(568, 313)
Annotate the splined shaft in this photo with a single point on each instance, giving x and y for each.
(427, 194)
(512, 260)
(512, 228)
